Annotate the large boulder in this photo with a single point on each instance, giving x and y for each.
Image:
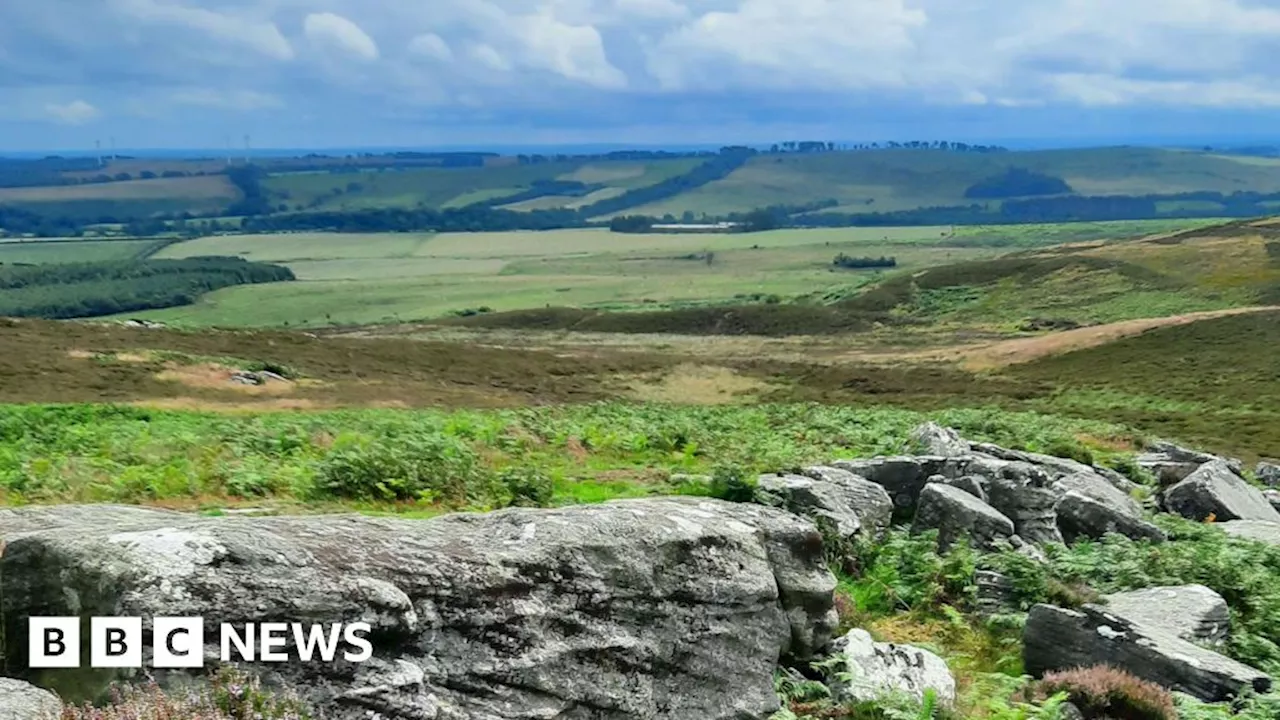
(1056, 638)
(933, 439)
(1192, 612)
(1263, 532)
(1215, 489)
(1091, 507)
(1026, 495)
(28, 518)
(1172, 463)
(22, 701)
(1268, 473)
(877, 670)
(869, 500)
(847, 508)
(957, 514)
(665, 608)
(902, 477)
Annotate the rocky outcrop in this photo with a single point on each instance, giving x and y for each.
(1216, 490)
(21, 701)
(14, 521)
(1091, 507)
(933, 439)
(876, 670)
(1264, 532)
(666, 608)
(838, 501)
(956, 514)
(1268, 473)
(1192, 612)
(1049, 499)
(1060, 639)
(1172, 463)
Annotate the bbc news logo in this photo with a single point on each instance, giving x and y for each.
(179, 642)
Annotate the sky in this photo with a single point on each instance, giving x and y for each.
(470, 73)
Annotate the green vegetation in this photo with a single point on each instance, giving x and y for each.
(72, 290)
(72, 251)
(229, 695)
(1017, 182)
(430, 461)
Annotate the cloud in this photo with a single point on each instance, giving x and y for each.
(76, 112)
(259, 35)
(432, 46)
(489, 57)
(335, 31)
(837, 44)
(575, 52)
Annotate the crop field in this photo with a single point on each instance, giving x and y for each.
(456, 187)
(885, 181)
(209, 188)
(64, 251)
(353, 279)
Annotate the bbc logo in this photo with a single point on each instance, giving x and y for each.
(116, 642)
(178, 642)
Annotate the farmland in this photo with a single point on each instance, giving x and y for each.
(356, 279)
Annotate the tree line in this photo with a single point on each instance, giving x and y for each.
(860, 263)
(75, 290)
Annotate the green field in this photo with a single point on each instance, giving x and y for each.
(65, 251)
(456, 187)
(352, 279)
(891, 180)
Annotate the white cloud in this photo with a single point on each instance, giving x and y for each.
(575, 52)
(431, 45)
(837, 44)
(338, 32)
(1104, 90)
(260, 35)
(489, 57)
(651, 9)
(76, 112)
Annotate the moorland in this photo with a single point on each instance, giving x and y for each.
(420, 334)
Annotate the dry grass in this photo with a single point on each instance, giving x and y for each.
(212, 376)
(695, 384)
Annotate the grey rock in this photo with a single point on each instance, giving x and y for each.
(996, 593)
(1215, 489)
(881, 669)
(933, 439)
(1191, 612)
(955, 513)
(975, 485)
(1056, 465)
(849, 507)
(1264, 532)
(903, 477)
(1273, 497)
(1172, 464)
(1268, 474)
(664, 609)
(1025, 494)
(1081, 517)
(870, 501)
(1060, 639)
(1091, 507)
(29, 518)
(21, 701)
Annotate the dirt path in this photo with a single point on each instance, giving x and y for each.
(1021, 350)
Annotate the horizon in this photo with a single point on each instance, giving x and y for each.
(180, 74)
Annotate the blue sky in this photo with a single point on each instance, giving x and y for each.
(343, 73)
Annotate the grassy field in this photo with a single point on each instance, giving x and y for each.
(197, 195)
(455, 187)
(885, 181)
(354, 279)
(64, 251)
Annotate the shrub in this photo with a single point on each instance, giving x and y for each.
(230, 695)
(433, 468)
(527, 487)
(1106, 692)
(733, 483)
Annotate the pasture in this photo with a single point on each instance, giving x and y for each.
(67, 251)
(348, 279)
(892, 180)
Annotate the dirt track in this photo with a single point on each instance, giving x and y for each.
(1021, 350)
